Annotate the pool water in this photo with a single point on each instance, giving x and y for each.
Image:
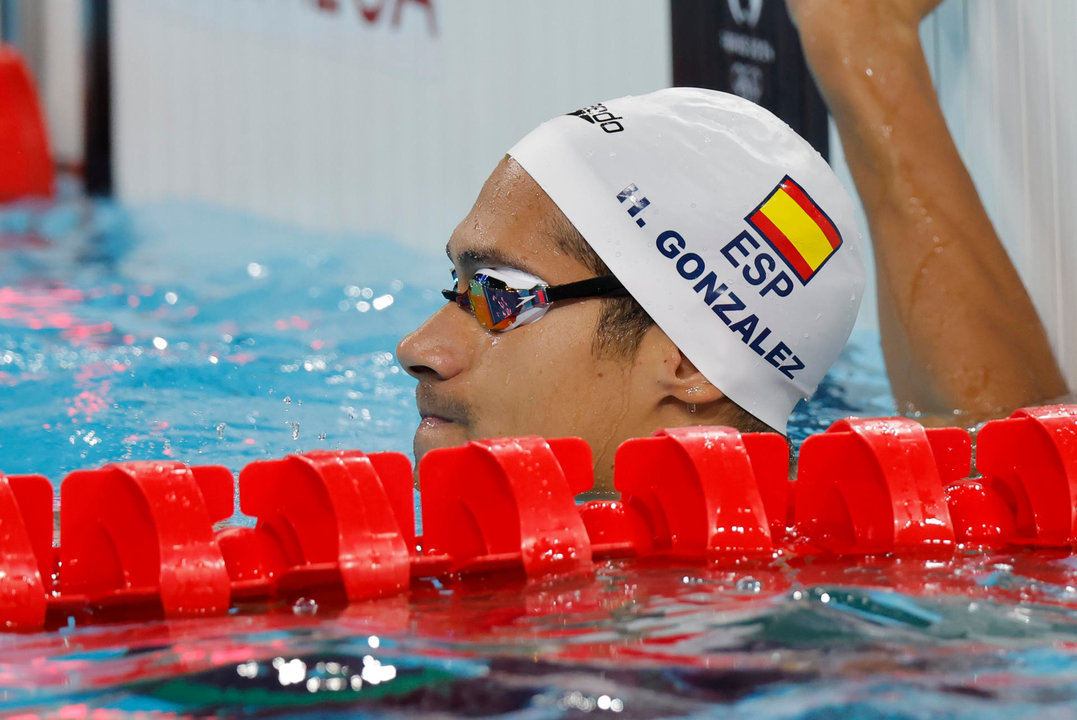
(191, 333)
(183, 331)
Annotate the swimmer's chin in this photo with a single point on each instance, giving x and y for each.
(434, 432)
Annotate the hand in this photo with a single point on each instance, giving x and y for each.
(857, 46)
(822, 13)
(854, 31)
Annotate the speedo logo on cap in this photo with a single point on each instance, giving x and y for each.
(797, 228)
(600, 115)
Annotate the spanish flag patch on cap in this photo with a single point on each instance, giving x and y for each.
(797, 228)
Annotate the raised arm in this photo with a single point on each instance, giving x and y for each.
(959, 331)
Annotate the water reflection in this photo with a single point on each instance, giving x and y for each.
(633, 639)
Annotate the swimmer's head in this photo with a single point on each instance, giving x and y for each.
(726, 226)
(709, 211)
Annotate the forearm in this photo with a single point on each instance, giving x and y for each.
(959, 331)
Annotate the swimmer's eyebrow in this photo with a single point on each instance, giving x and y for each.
(471, 260)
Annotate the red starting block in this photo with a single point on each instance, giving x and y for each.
(24, 150)
(26, 549)
(877, 486)
(696, 492)
(508, 503)
(1029, 463)
(142, 533)
(325, 518)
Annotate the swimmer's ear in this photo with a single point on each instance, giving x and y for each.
(689, 386)
(673, 375)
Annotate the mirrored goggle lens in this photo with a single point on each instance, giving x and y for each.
(496, 307)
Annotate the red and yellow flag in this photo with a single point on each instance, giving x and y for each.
(797, 228)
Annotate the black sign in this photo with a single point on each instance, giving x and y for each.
(749, 48)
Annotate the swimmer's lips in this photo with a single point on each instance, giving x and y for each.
(434, 418)
(432, 422)
(444, 419)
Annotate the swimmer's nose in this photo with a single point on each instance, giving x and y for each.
(435, 350)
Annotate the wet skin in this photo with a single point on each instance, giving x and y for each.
(538, 379)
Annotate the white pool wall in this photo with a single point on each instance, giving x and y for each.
(329, 120)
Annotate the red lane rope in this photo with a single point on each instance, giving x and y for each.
(140, 534)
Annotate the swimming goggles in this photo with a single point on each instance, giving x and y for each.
(504, 298)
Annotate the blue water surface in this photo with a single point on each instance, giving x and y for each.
(179, 330)
(184, 331)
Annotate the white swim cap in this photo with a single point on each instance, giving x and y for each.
(729, 229)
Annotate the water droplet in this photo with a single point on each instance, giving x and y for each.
(749, 584)
(305, 606)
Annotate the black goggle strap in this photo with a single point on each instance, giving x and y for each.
(460, 298)
(603, 286)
